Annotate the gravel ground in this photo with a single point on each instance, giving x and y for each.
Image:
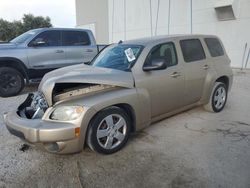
(192, 149)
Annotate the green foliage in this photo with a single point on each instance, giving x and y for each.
(10, 30)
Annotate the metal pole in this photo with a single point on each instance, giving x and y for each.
(125, 15)
(157, 17)
(243, 58)
(113, 18)
(169, 13)
(191, 12)
(247, 58)
(151, 22)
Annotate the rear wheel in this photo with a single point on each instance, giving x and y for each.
(11, 82)
(218, 98)
(109, 130)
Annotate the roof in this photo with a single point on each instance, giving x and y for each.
(58, 28)
(147, 40)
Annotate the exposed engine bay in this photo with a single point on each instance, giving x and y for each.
(83, 90)
(35, 104)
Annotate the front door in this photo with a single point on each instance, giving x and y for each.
(165, 87)
(47, 53)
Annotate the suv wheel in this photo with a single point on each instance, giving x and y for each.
(11, 82)
(218, 98)
(109, 130)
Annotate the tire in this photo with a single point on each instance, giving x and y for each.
(111, 137)
(11, 82)
(218, 98)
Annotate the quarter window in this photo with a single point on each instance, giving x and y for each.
(214, 47)
(163, 51)
(75, 38)
(192, 50)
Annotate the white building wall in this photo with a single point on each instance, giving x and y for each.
(129, 19)
(94, 15)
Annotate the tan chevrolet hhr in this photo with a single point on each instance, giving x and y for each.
(127, 87)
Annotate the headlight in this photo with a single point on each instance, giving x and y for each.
(66, 113)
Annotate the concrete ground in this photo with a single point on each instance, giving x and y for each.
(193, 149)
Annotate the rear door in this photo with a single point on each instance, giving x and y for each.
(49, 54)
(195, 68)
(78, 47)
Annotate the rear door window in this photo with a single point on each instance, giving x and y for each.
(214, 47)
(192, 50)
(75, 38)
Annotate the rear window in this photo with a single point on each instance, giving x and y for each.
(75, 38)
(192, 50)
(214, 47)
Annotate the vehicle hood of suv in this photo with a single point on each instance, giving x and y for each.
(6, 46)
(84, 74)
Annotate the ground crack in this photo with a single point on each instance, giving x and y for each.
(225, 132)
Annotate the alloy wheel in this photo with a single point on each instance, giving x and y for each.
(111, 131)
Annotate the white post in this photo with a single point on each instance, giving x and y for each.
(169, 14)
(125, 20)
(151, 22)
(191, 15)
(157, 17)
(113, 18)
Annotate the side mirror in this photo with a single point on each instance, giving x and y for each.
(38, 42)
(155, 64)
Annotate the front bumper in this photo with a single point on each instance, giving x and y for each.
(62, 137)
(38, 130)
(53, 137)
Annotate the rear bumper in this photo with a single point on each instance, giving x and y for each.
(54, 137)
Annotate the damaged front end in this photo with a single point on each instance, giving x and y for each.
(64, 91)
(36, 105)
(33, 107)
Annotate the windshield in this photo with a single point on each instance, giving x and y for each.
(25, 36)
(119, 56)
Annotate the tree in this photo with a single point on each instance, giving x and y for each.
(10, 30)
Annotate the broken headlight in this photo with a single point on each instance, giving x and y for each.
(34, 106)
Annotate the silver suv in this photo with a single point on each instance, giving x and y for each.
(28, 57)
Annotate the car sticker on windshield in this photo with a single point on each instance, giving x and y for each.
(130, 54)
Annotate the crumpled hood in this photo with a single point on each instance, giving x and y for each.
(84, 74)
(5, 46)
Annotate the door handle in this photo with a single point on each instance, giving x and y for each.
(89, 50)
(175, 74)
(205, 67)
(59, 51)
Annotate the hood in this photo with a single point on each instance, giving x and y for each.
(84, 74)
(6, 46)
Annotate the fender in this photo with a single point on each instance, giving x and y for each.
(208, 86)
(137, 99)
(15, 63)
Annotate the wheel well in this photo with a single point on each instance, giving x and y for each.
(15, 64)
(130, 111)
(223, 79)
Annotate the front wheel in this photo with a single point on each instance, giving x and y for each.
(11, 82)
(109, 130)
(218, 98)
